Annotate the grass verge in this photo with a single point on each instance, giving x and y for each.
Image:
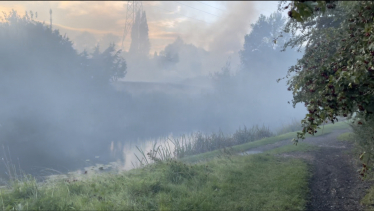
(256, 182)
(301, 147)
(270, 140)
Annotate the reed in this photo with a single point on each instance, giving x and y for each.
(197, 143)
(293, 126)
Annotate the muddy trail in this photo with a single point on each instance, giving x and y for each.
(335, 183)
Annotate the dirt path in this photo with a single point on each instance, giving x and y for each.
(335, 183)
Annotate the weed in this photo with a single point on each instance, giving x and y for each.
(11, 169)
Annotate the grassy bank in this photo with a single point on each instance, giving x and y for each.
(301, 147)
(256, 182)
(270, 140)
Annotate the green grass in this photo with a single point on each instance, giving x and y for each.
(270, 140)
(301, 147)
(328, 128)
(348, 136)
(256, 182)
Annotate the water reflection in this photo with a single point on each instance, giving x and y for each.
(129, 154)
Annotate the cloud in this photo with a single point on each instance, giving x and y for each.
(19, 8)
(176, 11)
(79, 8)
(170, 23)
(94, 31)
(161, 34)
(151, 3)
(166, 20)
(227, 33)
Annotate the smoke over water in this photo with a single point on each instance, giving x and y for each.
(64, 108)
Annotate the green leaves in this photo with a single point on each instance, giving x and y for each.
(296, 15)
(337, 59)
(303, 10)
(371, 47)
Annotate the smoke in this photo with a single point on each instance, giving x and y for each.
(108, 39)
(85, 40)
(66, 119)
(227, 34)
(221, 40)
(224, 37)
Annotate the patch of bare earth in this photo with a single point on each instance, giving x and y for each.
(335, 183)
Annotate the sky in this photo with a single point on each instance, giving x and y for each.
(212, 25)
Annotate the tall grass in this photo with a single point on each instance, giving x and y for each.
(205, 143)
(11, 170)
(197, 143)
(293, 126)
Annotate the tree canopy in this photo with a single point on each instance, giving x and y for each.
(335, 76)
(261, 38)
(262, 43)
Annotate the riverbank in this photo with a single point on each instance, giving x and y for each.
(279, 179)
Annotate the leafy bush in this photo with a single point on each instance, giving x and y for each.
(335, 76)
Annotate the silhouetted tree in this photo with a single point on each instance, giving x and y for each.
(169, 57)
(182, 56)
(105, 67)
(52, 94)
(263, 41)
